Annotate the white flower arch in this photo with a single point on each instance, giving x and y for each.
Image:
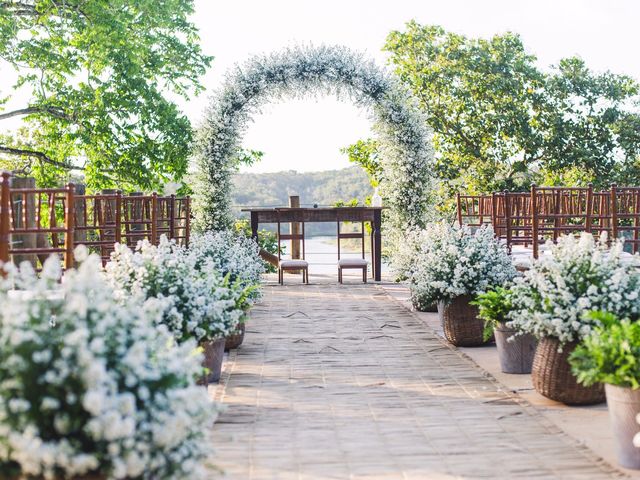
(405, 140)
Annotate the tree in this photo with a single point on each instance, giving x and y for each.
(365, 153)
(98, 76)
(500, 123)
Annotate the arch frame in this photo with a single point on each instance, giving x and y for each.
(405, 141)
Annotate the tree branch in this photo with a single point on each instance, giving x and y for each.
(39, 155)
(54, 112)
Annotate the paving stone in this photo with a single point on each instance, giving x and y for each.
(342, 382)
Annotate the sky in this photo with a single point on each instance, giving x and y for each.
(306, 135)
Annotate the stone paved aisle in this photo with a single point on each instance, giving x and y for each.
(341, 382)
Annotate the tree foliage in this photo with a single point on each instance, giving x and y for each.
(500, 122)
(99, 77)
(365, 153)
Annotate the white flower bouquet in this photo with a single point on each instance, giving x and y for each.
(233, 255)
(580, 275)
(452, 261)
(197, 300)
(89, 386)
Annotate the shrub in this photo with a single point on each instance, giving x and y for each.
(493, 307)
(452, 261)
(267, 241)
(610, 353)
(89, 385)
(581, 274)
(231, 254)
(198, 302)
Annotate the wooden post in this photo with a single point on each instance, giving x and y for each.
(507, 219)
(24, 207)
(172, 216)
(377, 242)
(69, 228)
(459, 204)
(154, 218)
(614, 213)
(294, 202)
(108, 232)
(134, 211)
(118, 218)
(80, 217)
(534, 221)
(5, 223)
(187, 221)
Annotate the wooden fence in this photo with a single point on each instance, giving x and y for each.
(543, 213)
(38, 222)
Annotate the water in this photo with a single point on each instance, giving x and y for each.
(322, 254)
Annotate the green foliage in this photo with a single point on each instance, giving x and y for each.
(99, 76)
(500, 122)
(348, 203)
(493, 307)
(248, 157)
(365, 153)
(610, 354)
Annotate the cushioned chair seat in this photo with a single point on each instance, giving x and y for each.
(293, 264)
(352, 262)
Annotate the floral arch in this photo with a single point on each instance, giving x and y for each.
(405, 141)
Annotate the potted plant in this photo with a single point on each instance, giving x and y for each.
(197, 301)
(515, 349)
(91, 388)
(451, 267)
(238, 257)
(610, 354)
(550, 301)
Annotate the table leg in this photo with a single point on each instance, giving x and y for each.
(377, 240)
(254, 225)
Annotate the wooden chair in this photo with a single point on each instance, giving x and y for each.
(517, 219)
(352, 263)
(625, 215)
(292, 264)
(474, 210)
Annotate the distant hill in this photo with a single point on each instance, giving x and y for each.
(322, 188)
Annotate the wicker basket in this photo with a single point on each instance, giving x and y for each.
(552, 377)
(461, 324)
(235, 339)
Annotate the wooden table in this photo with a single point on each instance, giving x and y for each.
(308, 215)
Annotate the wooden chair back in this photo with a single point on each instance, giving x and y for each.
(625, 215)
(474, 210)
(297, 216)
(517, 218)
(561, 211)
(50, 231)
(346, 213)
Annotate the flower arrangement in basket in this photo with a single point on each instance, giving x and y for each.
(92, 387)
(552, 299)
(198, 301)
(451, 267)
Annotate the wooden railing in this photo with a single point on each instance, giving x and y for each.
(38, 222)
(543, 213)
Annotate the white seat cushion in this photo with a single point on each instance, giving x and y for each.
(293, 264)
(352, 262)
